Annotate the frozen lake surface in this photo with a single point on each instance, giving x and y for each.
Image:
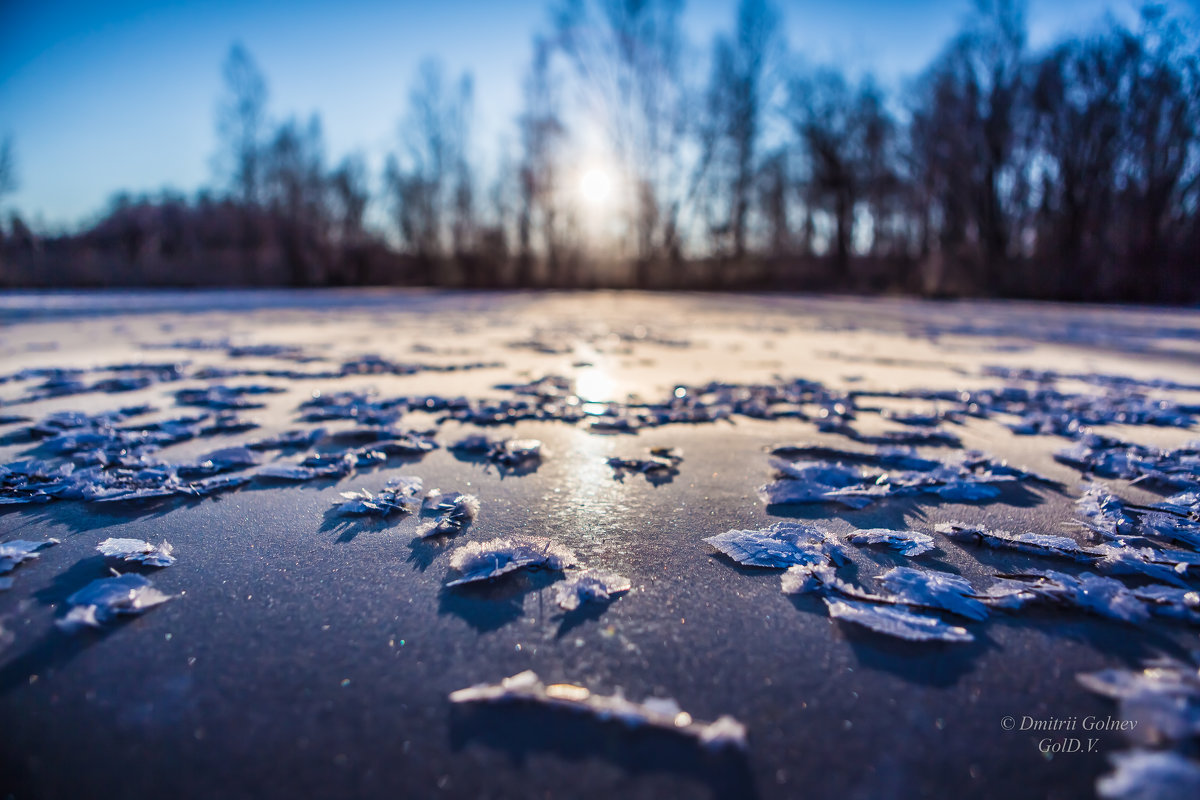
(308, 643)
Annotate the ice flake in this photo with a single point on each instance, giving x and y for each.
(400, 494)
(505, 452)
(1106, 597)
(19, 550)
(1150, 775)
(455, 509)
(660, 465)
(105, 598)
(224, 398)
(1171, 602)
(590, 585)
(311, 468)
(1163, 698)
(477, 561)
(779, 546)
(659, 713)
(933, 589)
(224, 460)
(137, 550)
(289, 440)
(1036, 543)
(1127, 560)
(896, 622)
(908, 543)
(808, 578)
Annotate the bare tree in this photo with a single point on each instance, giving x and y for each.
(540, 216)
(241, 123)
(735, 106)
(626, 56)
(966, 142)
(431, 180)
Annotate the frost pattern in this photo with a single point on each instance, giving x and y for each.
(137, 550)
(477, 561)
(660, 713)
(105, 598)
(907, 543)
(590, 585)
(896, 622)
(779, 546)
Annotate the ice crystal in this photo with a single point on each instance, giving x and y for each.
(659, 713)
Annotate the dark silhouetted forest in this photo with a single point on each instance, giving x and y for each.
(1072, 172)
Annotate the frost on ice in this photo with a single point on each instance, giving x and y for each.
(105, 598)
(590, 585)
(896, 622)
(779, 546)
(1035, 543)
(455, 511)
(1163, 697)
(1106, 597)
(477, 561)
(1162, 700)
(857, 479)
(14, 552)
(400, 494)
(511, 453)
(933, 589)
(660, 465)
(152, 555)
(907, 543)
(659, 713)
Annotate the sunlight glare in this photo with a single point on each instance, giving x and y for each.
(595, 186)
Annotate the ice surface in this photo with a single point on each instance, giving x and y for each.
(660, 713)
(477, 561)
(589, 585)
(779, 546)
(137, 550)
(908, 543)
(105, 598)
(896, 622)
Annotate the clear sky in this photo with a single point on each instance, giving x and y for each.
(102, 96)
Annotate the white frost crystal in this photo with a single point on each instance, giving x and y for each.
(896, 622)
(1150, 775)
(908, 543)
(14, 552)
(590, 585)
(1036, 543)
(137, 550)
(105, 598)
(660, 713)
(932, 589)
(477, 561)
(781, 545)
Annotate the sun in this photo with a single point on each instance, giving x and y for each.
(595, 185)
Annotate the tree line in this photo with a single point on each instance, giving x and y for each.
(1072, 172)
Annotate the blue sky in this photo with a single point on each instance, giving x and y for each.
(121, 95)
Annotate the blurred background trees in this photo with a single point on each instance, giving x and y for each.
(1072, 172)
